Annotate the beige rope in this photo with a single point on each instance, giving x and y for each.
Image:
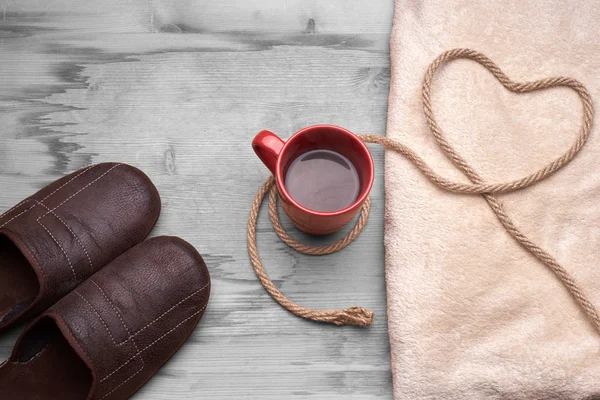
(363, 317)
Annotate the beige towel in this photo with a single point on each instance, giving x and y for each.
(471, 314)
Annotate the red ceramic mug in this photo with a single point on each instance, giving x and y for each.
(277, 155)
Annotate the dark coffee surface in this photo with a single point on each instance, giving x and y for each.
(322, 180)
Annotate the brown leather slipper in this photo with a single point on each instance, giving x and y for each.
(57, 238)
(109, 336)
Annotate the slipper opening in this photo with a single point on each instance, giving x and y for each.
(45, 367)
(19, 283)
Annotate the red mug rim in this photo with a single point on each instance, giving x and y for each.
(364, 194)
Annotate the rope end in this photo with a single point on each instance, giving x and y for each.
(357, 316)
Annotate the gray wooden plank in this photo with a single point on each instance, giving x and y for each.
(179, 89)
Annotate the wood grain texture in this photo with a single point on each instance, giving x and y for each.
(178, 89)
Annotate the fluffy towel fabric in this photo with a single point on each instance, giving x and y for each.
(471, 314)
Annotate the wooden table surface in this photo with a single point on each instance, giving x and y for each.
(179, 89)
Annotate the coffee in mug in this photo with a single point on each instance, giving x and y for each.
(323, 180)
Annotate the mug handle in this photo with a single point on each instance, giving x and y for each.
(267, 147)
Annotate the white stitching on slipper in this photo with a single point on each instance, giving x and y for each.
(165, 313)
(153, 343)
